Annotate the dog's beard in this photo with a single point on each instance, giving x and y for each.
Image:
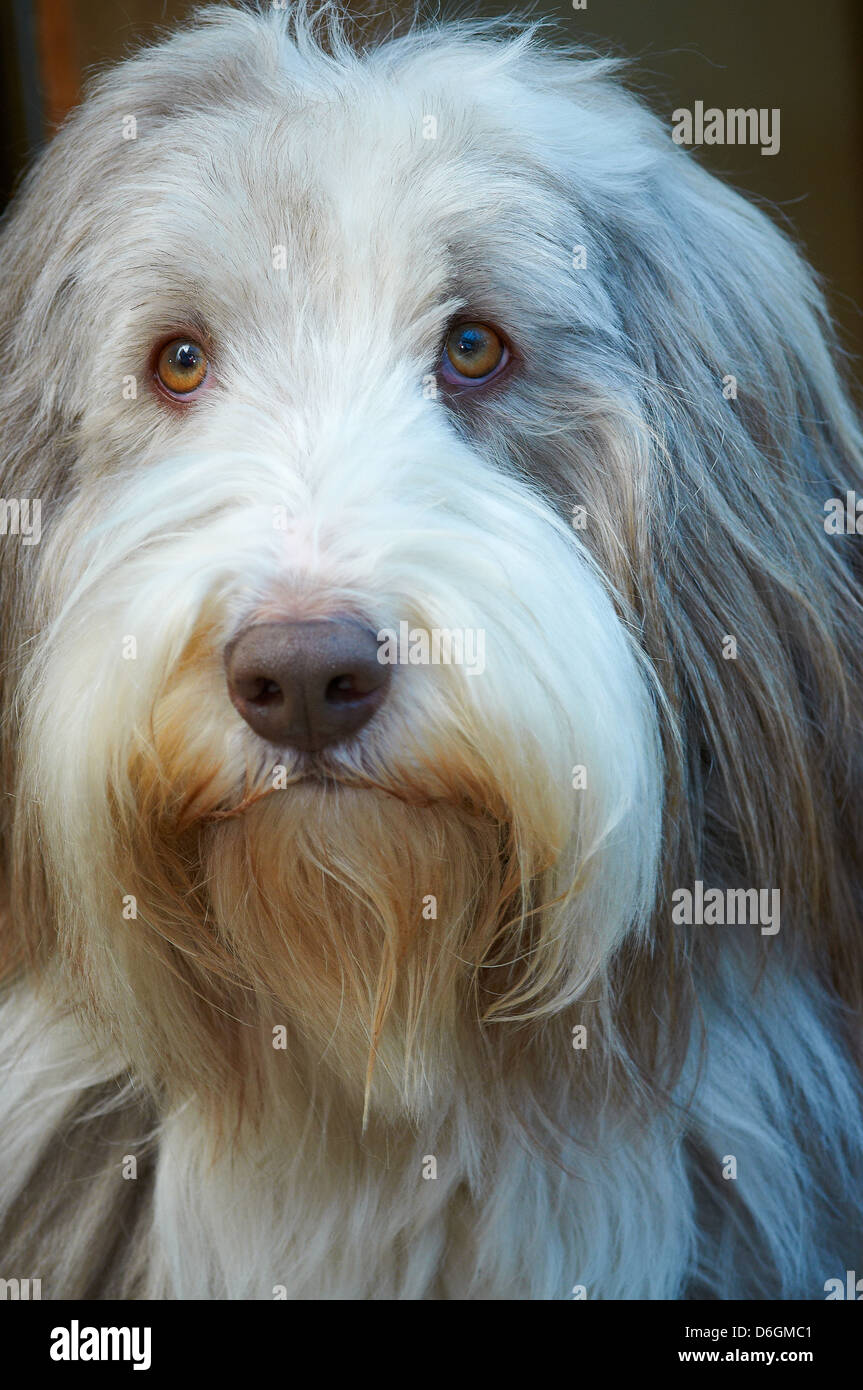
(373, 927)
(435, 879)
(370, 928)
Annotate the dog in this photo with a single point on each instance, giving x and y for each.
(431, 702)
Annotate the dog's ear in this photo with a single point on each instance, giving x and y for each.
(46, 236)
(36, 460)
(719, 377)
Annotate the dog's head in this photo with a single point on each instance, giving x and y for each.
(395, 517)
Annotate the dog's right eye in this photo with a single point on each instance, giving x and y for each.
(473, 353)
(181, 367)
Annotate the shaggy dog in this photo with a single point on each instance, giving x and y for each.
(338, 964)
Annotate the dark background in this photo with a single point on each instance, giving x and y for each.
(803, 57)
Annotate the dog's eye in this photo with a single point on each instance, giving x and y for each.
(182, 366)
(473, 353)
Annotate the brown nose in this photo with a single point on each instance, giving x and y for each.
(305, 685)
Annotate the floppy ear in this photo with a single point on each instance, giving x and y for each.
(36, 456)
(47, 236)
(719, 384)
(753, 434)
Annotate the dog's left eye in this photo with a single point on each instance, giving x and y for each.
(473, 353)
(182, 366)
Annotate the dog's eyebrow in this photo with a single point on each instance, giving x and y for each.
(187, 319)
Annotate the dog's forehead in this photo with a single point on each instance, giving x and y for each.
(390, 196)
(342, 187)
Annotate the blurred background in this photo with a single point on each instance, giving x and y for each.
(804, 58)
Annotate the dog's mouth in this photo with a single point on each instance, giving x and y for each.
(326, 781)
(323, 771)
(315, 775)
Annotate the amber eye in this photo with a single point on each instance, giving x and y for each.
(181, 366)
(472, 353)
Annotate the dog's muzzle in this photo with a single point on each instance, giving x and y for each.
(306, 685)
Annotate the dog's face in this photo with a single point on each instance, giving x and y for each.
(325, 360)
(317, 243)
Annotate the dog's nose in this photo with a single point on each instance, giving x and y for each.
(306, 684)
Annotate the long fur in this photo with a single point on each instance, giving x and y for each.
(301, 911)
